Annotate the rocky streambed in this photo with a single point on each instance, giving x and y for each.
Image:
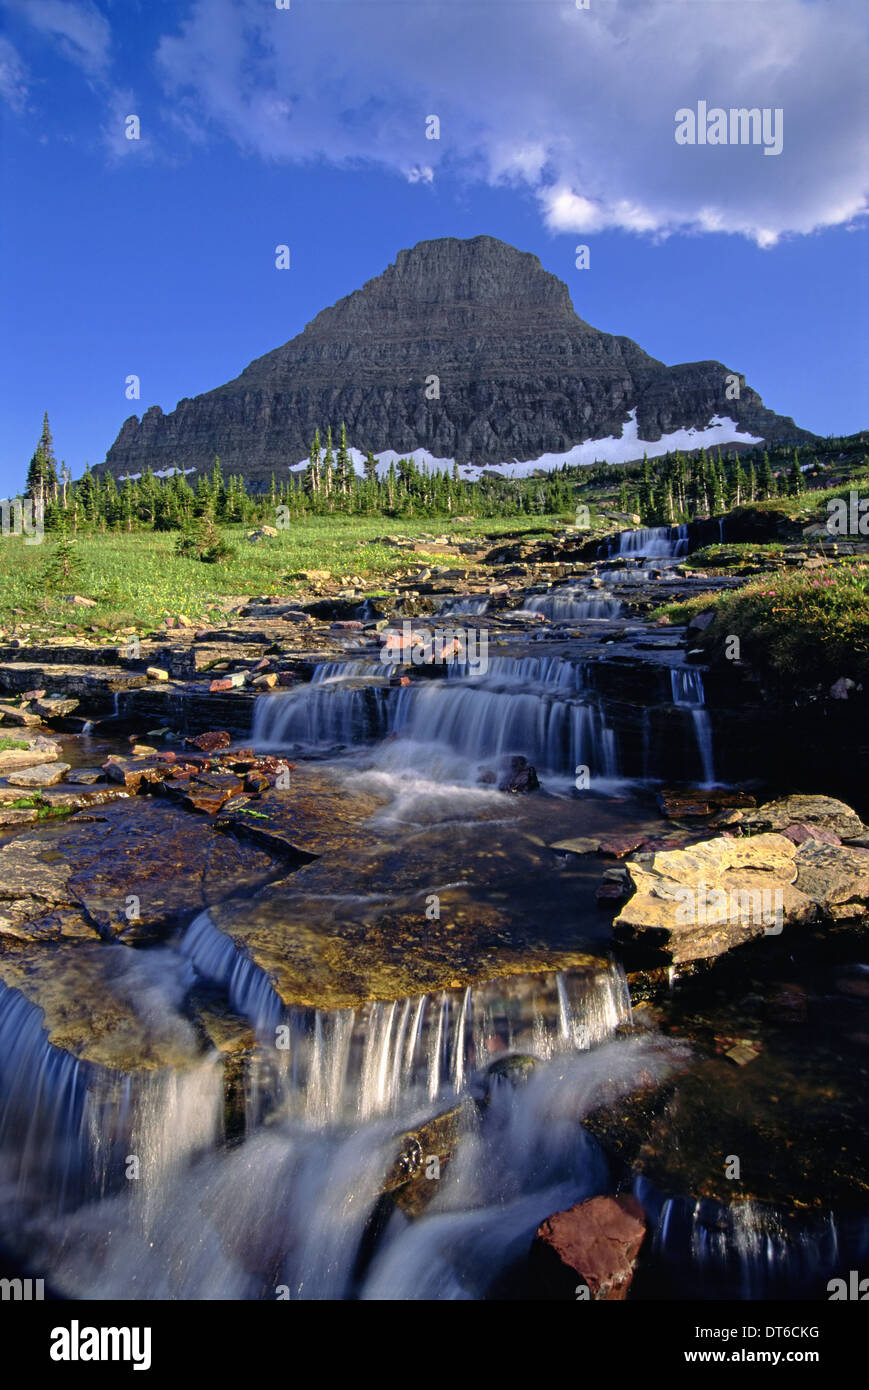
(329, 970)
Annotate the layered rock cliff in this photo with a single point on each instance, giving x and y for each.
(519, 375)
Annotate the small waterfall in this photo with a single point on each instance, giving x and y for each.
(465, 603)
(336, 707)
(365, 667)
(293, 1212)
(571, 603)
(653, 542)
(688, 691)
(482, 722)
(350, 1065)
(746, 1249)
(533, 706)
(552, 672)
(69, 1127)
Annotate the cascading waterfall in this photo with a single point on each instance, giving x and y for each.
(292, 1212)
(747, 1250)
(474, 604)
(653, 542)
(533, 706)
(68, 1128)
(350, 1065)
(572, 603)
(687, 686)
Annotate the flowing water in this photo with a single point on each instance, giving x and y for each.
(275, 1169)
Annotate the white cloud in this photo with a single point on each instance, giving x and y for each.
(13, 77)
(576, 105)
(81, 31)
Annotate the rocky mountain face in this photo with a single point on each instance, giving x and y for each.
(519, 374)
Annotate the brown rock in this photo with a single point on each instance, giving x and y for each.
(591, 1247)
(43, 775)
(209, 742)
(617, 846)
(11, 714)
(800, 833)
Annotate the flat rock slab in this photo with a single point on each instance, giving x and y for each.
(105, 1005)
(11, 714)
(33, 750)
(137, 872)
(69, 680)
(43, 775)
(836, 877)
(823, 811)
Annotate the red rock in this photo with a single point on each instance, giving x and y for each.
(210, 741)
(593, 1244)
(802, 831)
(256, 782)
(399, 680)
(617, 846)
(262, 665)
(221, 685)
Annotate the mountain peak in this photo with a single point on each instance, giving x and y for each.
(465, 348)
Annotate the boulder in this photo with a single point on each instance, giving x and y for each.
(519, 777)
(11, 714)
(211, 740)
(835, 877)
(588, 1251)
(822, 811)
(696, 903)
(55, 707)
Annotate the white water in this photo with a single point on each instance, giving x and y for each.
(572, 603)
(351, 1064)
(530, 706)
(68, 1127)
(653, 542)
(285, 1213)
(688, 690)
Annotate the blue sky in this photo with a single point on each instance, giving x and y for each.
(307, 127)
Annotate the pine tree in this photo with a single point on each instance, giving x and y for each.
(767, 481)
(343, 466)
(64, 563)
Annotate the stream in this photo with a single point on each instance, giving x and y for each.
(276, 1165)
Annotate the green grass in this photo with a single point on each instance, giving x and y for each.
(733, 557)
(8, 744)
(798, 629)
(138, 580)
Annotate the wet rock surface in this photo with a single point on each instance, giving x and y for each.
(353, 877)
(588, 1251)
